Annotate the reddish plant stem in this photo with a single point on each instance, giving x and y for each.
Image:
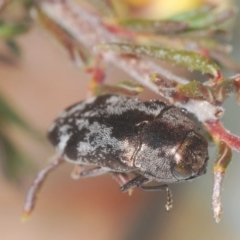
(89, 30)
(221, 134)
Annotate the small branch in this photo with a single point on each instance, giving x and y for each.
(216, 197)
(220, 133)
(219, 170)
(202, 99)
(83, 25)
(36, 186)
(90, 31)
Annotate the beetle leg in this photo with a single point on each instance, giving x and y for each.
(165, 187)
(76, 172)
(135, 182)
(121, 178)
(93, 172)
(154, 188)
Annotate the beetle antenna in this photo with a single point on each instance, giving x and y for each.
(169, 204)
(36, 186)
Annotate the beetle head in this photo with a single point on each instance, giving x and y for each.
(190, 159)
(171, 151)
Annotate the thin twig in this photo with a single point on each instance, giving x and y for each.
(36, 186)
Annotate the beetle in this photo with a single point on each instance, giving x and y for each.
(118, 134)
(153, 141)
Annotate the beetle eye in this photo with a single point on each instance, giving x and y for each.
(180, 171)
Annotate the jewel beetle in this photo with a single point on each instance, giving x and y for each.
(118, 134)
(137, 142)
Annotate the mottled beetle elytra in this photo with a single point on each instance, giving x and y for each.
(121, 135)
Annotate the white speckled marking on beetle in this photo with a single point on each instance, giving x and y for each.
(63, 141)
(80, 107)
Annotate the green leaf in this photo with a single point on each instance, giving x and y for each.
(13, 46)
(105, 7)
(196, 90)
(130, 86)
(211, 20)
(188, 59)
(76, 51)
(204, 17)
(123, 87)
(28, 3)
(13, 162)
(225, 88)
(201, 18)
(11, 30)
(9, 115)
(198, 12)
(155, 26)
